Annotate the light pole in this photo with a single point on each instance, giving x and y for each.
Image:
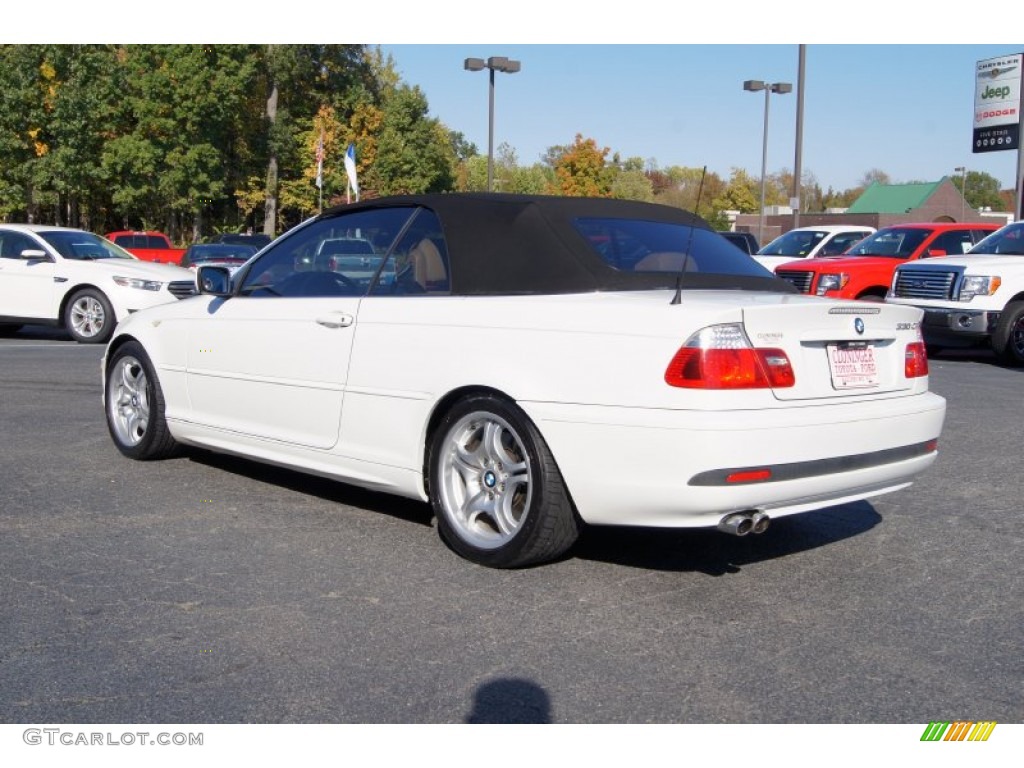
(769, 89)
(798, 162)
(494, 64)
(962, 170)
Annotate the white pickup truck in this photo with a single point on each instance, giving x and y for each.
(970, 300)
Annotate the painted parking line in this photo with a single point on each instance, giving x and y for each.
(45, 346)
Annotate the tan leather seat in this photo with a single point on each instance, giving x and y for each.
(428, 267)
(662, 261)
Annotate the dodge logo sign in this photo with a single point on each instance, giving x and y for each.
(858, 326)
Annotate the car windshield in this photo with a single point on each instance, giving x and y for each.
(796, 242)
(895, 243)
(635, 245)
(1007, 241)
(83, 246)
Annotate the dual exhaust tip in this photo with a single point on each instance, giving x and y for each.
(742, 523)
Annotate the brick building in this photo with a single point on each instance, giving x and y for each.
(880, 205)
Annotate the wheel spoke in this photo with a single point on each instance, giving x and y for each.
(129, 401)
(484, 486)
(491, 441)
(506, 516)
(469, 461)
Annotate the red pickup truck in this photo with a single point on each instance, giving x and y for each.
(865, 271)
(149, 246)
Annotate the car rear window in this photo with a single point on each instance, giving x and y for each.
(898, 243)
(634, 245)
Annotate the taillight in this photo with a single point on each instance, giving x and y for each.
(915, 363)
(720, 357)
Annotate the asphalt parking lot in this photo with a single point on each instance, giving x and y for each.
(207, 589)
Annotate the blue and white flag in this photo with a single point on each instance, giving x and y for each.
(350, 169)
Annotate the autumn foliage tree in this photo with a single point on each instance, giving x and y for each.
(581, 170)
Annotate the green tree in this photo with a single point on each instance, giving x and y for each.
(297, 80)
(742, 194)
(982, 190)
(414, 151)
(632, 185)
(692, 189)
(462, 148)
(25, 100)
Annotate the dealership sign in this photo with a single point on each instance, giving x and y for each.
(997, 104)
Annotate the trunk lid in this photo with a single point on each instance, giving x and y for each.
(837, 348)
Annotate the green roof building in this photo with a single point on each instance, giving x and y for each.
(880, 205)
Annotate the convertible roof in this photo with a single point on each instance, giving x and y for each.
(499, 243)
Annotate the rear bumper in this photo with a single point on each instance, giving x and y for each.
(668, 468)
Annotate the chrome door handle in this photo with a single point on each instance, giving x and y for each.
(335, 320)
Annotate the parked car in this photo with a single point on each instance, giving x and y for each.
(217, 253)
(231, 238)
(971, 300)
(866, 270)
(809, 243)
(148, 246)
(745, 241)
(526, 375)
(71, 278)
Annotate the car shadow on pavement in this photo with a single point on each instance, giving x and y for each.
(324, 488)
(40, 333)
(664, 549)
(716, 553)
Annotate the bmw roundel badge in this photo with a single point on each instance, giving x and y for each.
(858, 326)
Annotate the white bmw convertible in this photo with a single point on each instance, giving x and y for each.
(528, 365)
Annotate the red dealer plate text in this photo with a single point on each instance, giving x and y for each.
(852, 367)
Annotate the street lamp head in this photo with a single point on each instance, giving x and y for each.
(959, 169)
(503, 64)
(782, 87)
(753, 85)
(495, 64)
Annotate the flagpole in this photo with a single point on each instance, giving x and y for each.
(320, 171)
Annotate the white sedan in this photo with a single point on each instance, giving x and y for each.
(810, 243)
(528, 365)
(75, 279)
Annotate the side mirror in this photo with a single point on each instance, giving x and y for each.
(934, 252)
(34, 254)
(213, 280)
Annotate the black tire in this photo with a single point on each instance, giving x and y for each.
(499, 498)
(89, 318)
(872, 295)
(1008, 339)
(134, 405)
(9, 329)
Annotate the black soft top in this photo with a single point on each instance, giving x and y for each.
(511, 244)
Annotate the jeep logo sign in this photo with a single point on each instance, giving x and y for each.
(996, 93)
(997, 103)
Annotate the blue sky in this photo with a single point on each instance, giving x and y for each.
(904, 109)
